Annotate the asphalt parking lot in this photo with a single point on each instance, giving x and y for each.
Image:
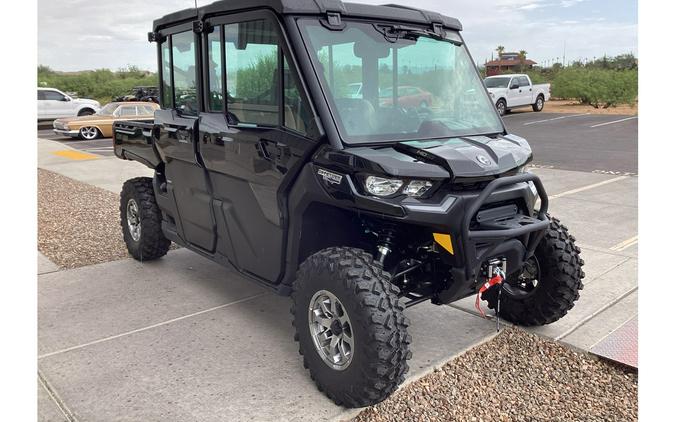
(182, 338)
(582, 142)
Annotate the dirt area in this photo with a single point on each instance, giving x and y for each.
(78, 224)
(566, 106)
(516, 377)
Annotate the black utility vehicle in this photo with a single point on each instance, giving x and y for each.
(141, 93)
(292, 146)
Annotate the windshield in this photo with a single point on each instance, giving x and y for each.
(108, 109)
(411, 84)
(497, 82)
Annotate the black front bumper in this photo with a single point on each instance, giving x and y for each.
(513, 238)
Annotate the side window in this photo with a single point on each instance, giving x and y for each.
(297, 115)
(53, 95)
(41, 95)
(128, 111)
(523, 81)
(167, 89)
(251, 63)
(184, 72)
(215, 70)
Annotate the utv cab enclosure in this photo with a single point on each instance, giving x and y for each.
(357, 203)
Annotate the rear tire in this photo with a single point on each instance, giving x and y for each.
(558, 282)
(141, 220)
(378, 340)
(89, 133)
(538, 104)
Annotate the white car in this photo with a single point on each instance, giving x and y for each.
(54, 104)
(513, 91)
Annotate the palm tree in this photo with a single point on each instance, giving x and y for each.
(500, 50)
(522, 55)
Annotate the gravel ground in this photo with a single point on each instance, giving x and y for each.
(78, 224)
(516, 377)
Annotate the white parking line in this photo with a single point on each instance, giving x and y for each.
(79, 346)
(583, 188)
(614, 121)
(555, 118)
(625, 244)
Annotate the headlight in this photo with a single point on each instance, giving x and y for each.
(383, 186)
(380, 186)
(416, 188)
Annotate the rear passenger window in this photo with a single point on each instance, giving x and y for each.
(128, 111)
(251, 62)
(184, 72)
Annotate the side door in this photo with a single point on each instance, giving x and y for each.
(255, 134)
(526, 88)
(55, 104)
(175, 133)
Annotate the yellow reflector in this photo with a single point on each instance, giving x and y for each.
(445, 241)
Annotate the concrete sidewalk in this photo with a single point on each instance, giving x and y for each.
(108, 173)
(185, 339)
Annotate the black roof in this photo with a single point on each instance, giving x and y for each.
(311, 7)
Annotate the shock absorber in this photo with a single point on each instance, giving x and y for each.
(386, 238)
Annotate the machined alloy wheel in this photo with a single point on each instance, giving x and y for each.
(528, 280)
(141, 220)
(133, 220)
(350, 326)
(540, 103)
(331, 330)
(89, 133)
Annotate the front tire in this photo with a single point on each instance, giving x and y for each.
(350, 326)
(549, 284)
(141, 220)
(538, 104)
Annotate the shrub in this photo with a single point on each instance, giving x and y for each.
(597, 87)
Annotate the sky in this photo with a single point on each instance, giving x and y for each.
(86, 34)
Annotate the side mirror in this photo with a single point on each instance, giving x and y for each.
(66, 98)
(515, 86)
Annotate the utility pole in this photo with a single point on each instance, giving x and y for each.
(564, 48)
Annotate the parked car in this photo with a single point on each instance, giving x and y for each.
(408, 97)
(141, 93)
(100, 124)
(513, 91)
(356, 213)
(53, 104)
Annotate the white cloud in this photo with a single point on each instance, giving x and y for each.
(86, 34)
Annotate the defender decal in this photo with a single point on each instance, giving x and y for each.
(330, 177)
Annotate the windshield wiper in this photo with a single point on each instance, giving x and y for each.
(393, 33)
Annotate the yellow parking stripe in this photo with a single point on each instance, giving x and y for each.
(75, 155)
